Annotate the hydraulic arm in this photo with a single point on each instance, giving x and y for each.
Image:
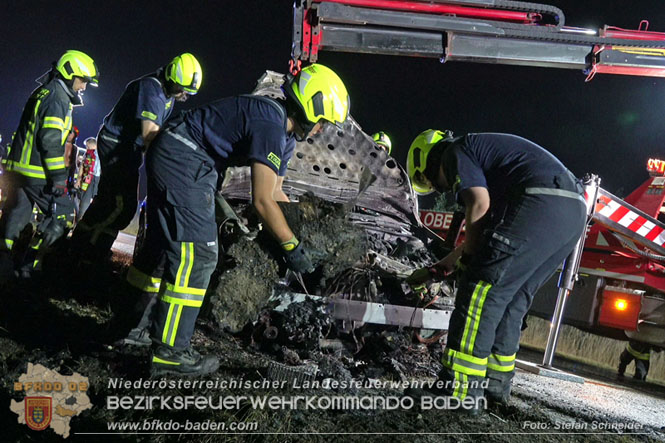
(484, 31)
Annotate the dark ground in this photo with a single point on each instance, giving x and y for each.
(68, 330)
(68, 322)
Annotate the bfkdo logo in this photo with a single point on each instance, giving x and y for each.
(38, 412)
(51, 399)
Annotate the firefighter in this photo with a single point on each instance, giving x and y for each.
(90, 171)
(183, 167)
(524, 212)
(126, 133)
(382, 140)
(35, 167)
(640, 352)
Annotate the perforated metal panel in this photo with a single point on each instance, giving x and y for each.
(330, 165)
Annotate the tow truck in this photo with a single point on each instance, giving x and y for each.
(621, 283)
(346, 167)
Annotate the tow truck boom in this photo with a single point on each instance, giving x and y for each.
(484, 31)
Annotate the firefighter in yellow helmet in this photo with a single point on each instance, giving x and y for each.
(382, 140)
(35, 166)
(183, 167)
(126, 133)
(524, 213)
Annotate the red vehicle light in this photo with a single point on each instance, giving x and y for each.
(621, 304)
(620, 308)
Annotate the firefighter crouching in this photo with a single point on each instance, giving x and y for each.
(127, 131)
(35, 170)
(180, 249)
(641, 353)
(524, 213)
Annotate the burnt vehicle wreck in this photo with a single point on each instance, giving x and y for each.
(354, 208)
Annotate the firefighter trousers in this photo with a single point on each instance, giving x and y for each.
(115, 204)
(179, 252)
(17, 212)
(496, 286)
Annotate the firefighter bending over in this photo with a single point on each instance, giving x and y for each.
(524, 213)
(180, 249)
(640, 352)
(127, 131)
(35, 167)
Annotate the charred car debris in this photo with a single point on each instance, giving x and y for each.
(355, 208)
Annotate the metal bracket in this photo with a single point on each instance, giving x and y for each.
(368, 312)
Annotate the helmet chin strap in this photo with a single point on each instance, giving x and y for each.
(79, 94)
(306, 128)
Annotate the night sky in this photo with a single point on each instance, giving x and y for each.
(610, 126)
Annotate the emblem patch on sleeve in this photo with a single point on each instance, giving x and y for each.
(149, 115)
(274, 159)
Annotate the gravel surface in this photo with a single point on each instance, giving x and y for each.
(593, 406)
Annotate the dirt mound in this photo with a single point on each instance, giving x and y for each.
(249, 269)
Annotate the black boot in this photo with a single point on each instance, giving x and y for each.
(498, 386)
(188, 362)
(472, 402)
(624, 359)
(140, 320)
(641, 369)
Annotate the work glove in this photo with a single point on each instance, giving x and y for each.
(419, 278)
(55, 190)
(296, 257)
(462, 262)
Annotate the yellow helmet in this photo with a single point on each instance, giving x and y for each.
(318, 93)
(78, 64)
(416, 160)
(185, 70)
(382, 139)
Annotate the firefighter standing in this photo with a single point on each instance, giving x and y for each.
(127, 131)
(524, 213)
(183, 167)
(35, 167)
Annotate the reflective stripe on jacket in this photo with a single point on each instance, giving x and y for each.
(38, 146)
